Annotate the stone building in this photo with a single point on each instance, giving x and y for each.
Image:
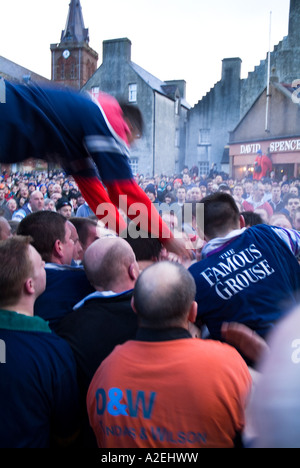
(219, 112)
(163, 105)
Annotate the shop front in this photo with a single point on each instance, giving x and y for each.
(271, 125)
(283, 152)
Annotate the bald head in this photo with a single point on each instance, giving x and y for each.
(163, 295)
(110, 264)
(5, 229)
(36, 201)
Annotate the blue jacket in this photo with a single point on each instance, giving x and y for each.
(66, 286)
(252, 278)
(59, 125)
(38, 385)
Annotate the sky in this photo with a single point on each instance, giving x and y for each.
(171, 39)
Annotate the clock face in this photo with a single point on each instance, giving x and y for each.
(66, 54)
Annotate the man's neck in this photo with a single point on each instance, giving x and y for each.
(20, 309)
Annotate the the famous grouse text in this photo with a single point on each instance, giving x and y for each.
(237, 271)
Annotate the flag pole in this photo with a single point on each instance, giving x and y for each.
(267, 129)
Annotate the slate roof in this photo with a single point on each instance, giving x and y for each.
(75, 30)
(158, 85)
(11, 71)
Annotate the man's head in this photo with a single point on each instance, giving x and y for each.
(291, 203)
(276, 193)
(64, 208)
(36, 201)
(22, 274)
(78, 250)
(238, 192)
(186, 179)
(248, 186)
(221, 215)
(181, 194)
(87, 230)
(164, 296)
(5, 229)
(196, 194)
(297, 219)
(134, 119)
(144, 247)
(150, 191)
(258, 191)
(24, 191)
(51, 236)
(2, 194)
(110, 265)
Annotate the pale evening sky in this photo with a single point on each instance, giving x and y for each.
(171, 39)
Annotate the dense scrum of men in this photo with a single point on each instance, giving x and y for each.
(111, 341)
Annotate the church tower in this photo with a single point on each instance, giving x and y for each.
(73, 61)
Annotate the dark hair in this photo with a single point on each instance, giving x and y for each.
(82, 226)
(134, 115)
(144, 246)
(288, 197)
(45, 227)
(252, 219)
(163, 295)
(220, 214)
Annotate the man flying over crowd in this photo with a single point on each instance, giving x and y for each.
(89, 138)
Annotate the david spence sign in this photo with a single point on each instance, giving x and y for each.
(285, 145)
(280, 146)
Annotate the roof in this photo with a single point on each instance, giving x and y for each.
(14, 72)
(158, 85)
(285, 88)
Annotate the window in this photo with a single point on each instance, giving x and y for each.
(62, 71)
(204, 136)
(73, 71)
(203, 168)
(177, 106)
(134, 164)
(132, 92)
(95, 91)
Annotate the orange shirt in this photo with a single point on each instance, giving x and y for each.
(184, 393)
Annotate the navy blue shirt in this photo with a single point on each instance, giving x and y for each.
(63, 126)
(38, 387)
(252, 278)
(66, 286)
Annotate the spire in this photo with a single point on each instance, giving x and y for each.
(75, 30)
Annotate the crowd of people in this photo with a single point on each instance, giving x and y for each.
(112, 341)
(271, 201)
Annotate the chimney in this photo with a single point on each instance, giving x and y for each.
(117, 49)
(231, 68)
(294, 19)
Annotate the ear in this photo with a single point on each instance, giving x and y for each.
(133, 272)
(242, 222)
(58, 249)
(192, 316)
(29, 286)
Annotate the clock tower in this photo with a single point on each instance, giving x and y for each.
(73, 61)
